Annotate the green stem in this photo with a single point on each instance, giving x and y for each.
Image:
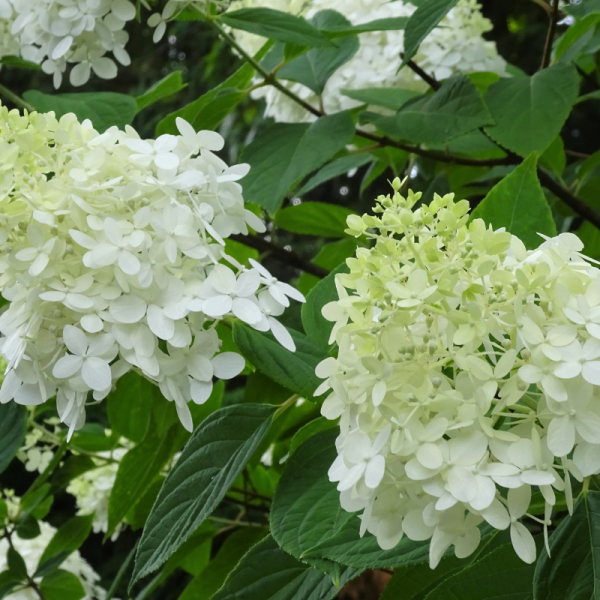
(16, 100)
(117, 580)
(283, 407)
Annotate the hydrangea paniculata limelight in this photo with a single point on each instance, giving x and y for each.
(32, 550)
(456, 45)
(112, 258)
(56, 33)
(467, 377)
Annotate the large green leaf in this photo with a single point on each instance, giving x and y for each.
(266, 572)
(529, 112)
(213, 458)
(19, 63)
(317, 327)
(572, 572)
(392, 98)
(129, 406)
(167, 86)
(314, 218)
(293, 370)
(286, 152)
(454, 110)
(204, 585)
(62, 585)
(103, 109)
(518, 203)
(137, 470)
(308, 522)
(501, 575)
(316, 66)
(422, 22)
(13, 424)
(276, 25)
(67, 539)
(337, 167)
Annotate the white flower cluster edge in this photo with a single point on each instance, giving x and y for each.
(55, 34)
(112, 256)
(468, 376)
(32, 550)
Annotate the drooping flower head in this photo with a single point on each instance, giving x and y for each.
(112, 257)
(467, 377)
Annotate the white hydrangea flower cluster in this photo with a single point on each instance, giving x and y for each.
(109, 255)
(467, 377)
(56, 33)
(92, 490)
(456, 45)
(32, 550)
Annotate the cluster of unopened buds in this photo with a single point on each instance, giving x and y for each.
(467, 377)
(112, 256)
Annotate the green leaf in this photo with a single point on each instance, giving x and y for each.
(68, 538)
(8, 581)
(62, 585)
(129, 406)
(554, 157)
(196, 112)
(103, 109)
(167, 86)
(213, 458)
(16, 563)
(71, 468)
(455, 109)
(573, 569)
(315, 67)
(392, 98)
(287, 152)
(293, 370)
(422, 22)
(529, 112)
(19, 63)
(276, 25)
(211, 115)
(28, 528)
(137, 470)
(13, 424)
(308, 522)
(518, 203)
(317, 327)
(591, 96)
(501, 572)
(387, 24)
(266, 572)
(574, 38)
(206, 584)
(140, 511)
(337, 167)
(311, 428)
(314, 218)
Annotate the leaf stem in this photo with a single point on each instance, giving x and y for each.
(16, 100)
(283, 407)
(120, 574)
(547, 54)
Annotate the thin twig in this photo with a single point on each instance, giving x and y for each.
(556, 188)
(576, 154)
(430, 80)
(16, 100)
(30, 581)
(550, 36)
(281, 254)
(122, 570)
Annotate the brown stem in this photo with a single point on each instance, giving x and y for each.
(30, 581)
(550, 36)
(576, 154)
(430, 80)
(546, 180)
(281, 254)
